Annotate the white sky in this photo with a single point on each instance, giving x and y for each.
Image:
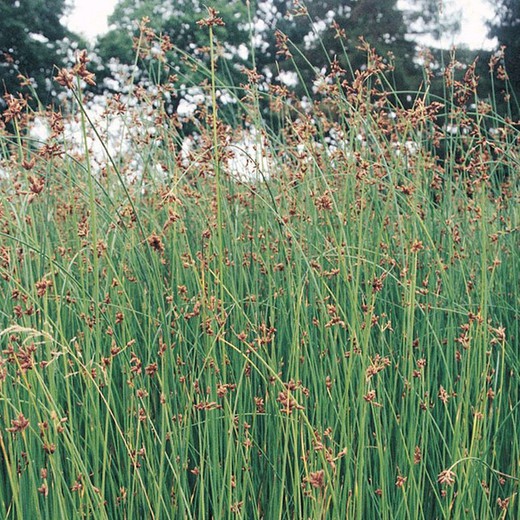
(89, 17)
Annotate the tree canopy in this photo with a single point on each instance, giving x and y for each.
(309, 29)
(31, 32)
(384, 24)
(176, 20)
(33, 39)
(506, 28)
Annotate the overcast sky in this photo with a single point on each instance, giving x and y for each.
(89, 17)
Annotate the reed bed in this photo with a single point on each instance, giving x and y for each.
(334, 335)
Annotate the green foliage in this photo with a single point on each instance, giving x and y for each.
(386, 26)
(116, 44)
(506, 28)
(176, 20)
(313, 45)
(30, 35)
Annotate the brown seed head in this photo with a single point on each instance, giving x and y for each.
(446, 477)
(19, 424)
(211, 20)
(316, 479)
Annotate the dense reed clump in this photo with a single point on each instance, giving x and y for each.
(311, 318)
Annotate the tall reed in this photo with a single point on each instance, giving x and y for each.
(335, 338)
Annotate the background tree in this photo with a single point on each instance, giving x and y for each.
(31, 43)
(176, 19)
(384, 24)
(506, 28)
(313, 40)
(389, 26)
